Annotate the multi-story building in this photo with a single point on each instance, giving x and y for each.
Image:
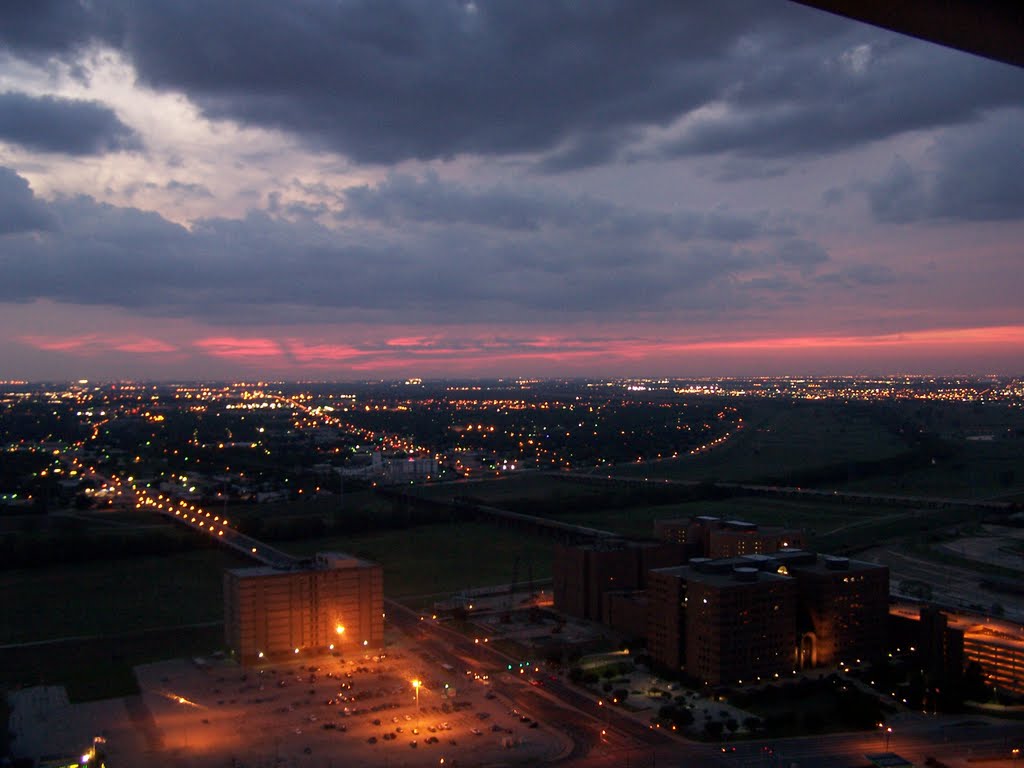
(726, 622)
(712, 537)
(751, 617)
(582, 574)
(844, 606)
(334, 603)
(626, 611)
(947, 641)
(666, 616)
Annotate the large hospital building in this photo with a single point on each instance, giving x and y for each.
(334, 602)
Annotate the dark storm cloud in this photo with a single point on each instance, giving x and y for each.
(69, 126)
(388, 81)
(802, 254)
(20, 211)
(403, 199)
(819, 99)
(860, 275)
(44, 28)
(268, 269)
(979, 176)
(573, 84)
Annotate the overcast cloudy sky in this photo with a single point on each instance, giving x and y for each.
(337, 189)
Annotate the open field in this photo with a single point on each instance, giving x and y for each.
(975, 470)
(112, 597)
(101, 668)
(132, 595)
(326, 505)
(781, 441)
(512, 487)
(440, 559)
(817, 518)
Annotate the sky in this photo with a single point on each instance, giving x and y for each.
(356, 189)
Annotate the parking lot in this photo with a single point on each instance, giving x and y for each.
(330, 710)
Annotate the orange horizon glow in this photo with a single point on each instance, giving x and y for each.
(486, 352)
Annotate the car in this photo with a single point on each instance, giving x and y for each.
(372, 740)
(476, 731)
(728, 748)
(413, 744)
(534, 724)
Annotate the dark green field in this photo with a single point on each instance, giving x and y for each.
(973, 470)
(781, 441)
(440, 559)
(112, 597)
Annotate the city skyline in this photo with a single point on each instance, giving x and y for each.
(397, 189)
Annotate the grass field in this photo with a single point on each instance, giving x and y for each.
(510, 488)
(975, 470)
(112, 597)
(440, 559)
(780, 441)
(317, 505)
(102, 668)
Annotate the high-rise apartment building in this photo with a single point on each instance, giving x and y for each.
(334, 603)
(582, 574)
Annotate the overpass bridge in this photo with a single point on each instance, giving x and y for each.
(217, 528)
(856, 497)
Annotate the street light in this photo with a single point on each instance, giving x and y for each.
(607, 718)
(887, 730)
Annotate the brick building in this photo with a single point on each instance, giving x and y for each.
(947, 641)
(712, 537)
(582, 574)
(750, 617)
(844, 606)
(335, 603)
(725, 622)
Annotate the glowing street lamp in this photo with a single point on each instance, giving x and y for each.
(887, 730)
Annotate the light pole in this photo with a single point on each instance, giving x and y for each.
(887, 730)
(416, 687)
(607, 719)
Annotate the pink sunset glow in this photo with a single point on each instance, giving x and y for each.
(764, 189)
